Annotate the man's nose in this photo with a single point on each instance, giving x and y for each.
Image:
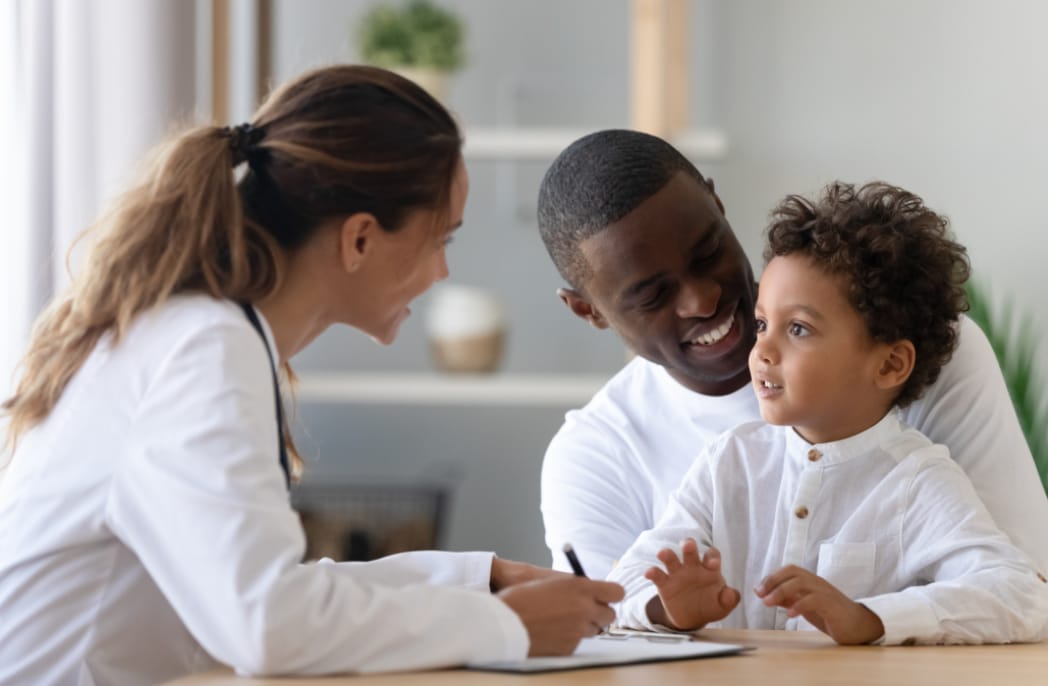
(698, 297)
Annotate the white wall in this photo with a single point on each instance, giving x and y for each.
(945, 98)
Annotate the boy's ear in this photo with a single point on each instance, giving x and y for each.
(357, 239)
(582, 308)
(896, 365)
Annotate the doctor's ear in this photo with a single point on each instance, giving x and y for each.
(582, 308)
(356, 239)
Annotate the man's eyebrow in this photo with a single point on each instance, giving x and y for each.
(639, 287)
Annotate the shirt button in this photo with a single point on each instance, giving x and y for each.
(801, 512)
(814, 455)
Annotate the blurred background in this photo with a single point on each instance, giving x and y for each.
(944, 97)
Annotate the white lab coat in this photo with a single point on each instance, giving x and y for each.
(145, 533)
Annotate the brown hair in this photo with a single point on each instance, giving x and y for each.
(334, 142)
(905, 275)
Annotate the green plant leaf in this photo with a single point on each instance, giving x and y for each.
(1015, 344)
(420, 34)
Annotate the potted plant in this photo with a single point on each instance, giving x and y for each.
(419, 40)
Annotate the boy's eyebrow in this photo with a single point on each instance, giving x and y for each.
(810, 311)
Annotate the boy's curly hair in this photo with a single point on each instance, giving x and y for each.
(905, 275)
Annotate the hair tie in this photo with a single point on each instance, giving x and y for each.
(243, 142)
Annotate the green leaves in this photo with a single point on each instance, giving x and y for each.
(1015, 343)
(419, 35)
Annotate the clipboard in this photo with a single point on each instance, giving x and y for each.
(617, 647)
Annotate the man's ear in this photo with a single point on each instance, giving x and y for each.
(582, 308)
(896, 365)
(716, 198)
(357, 239)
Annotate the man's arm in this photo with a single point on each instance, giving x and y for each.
(968, 410)
(589, 499)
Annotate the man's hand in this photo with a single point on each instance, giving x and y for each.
(506, 573)
(818, 601)
(692, 590)
(559, 612)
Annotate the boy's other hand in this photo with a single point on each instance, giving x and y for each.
(692, 590)
(804, 594)
(560, 611)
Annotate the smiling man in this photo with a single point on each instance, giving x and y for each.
(642, 240)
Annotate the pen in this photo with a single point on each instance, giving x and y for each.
(573, 560)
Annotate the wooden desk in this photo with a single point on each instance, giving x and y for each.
(782, 658)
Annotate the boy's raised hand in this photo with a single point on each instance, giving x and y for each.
(804, 594)
(692, 590)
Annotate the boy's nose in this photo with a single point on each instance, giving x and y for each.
(763, 351)
(698, 298)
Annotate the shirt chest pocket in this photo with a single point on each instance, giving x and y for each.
(849, 567)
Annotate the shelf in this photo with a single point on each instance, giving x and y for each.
(533, 143)
(393, 388)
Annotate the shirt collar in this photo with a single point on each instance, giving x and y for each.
(845, 449)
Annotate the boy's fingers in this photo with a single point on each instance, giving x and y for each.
(656, 576)
(689, 550)
(775, 579)
(786, 593)
(712, 559)
(728, 598)
(669, 558)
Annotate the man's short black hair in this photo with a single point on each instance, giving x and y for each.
(596, 181)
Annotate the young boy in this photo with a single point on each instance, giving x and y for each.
(833, 512)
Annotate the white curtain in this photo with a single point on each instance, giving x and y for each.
(86, 88)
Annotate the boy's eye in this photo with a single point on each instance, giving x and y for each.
(798, 329)
(761, 325)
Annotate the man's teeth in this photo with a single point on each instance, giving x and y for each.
(711, 337)
(768, 384)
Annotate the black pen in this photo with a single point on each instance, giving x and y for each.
(573, 560)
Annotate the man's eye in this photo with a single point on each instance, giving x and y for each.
(655, 299)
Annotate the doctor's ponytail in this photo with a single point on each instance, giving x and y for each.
(333, 142)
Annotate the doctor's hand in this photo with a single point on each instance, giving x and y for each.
(821, 603)
(559, 612)
(692, 590)
(506, 573)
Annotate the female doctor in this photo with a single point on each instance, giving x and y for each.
(145, 530)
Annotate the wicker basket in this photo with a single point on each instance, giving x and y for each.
(366, 521)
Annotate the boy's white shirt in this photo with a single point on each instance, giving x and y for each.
(146, 532)
(885, 516)
(610, 469)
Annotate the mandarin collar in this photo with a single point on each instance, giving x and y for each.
(835, 452)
